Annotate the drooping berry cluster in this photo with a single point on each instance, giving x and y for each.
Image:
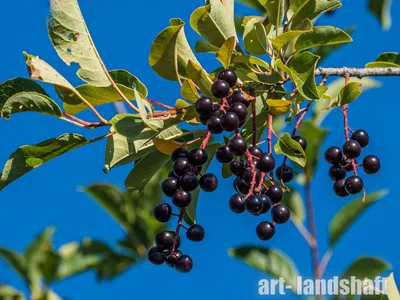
(344, 160)
(184, 178)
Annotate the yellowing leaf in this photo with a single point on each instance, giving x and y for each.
(166, 147)
(278, 107)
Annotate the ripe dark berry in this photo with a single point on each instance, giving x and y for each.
(266, 163)
(162, 212)
(238, 167)
(198, 157)
(254, 205)
(275, 193)
(339, 189)
(285, 173)
(280, 213)
(220, 89)
(181, 198)
(203, 118)
(173, 258)
(337, 172)
(180, 152)
(255, 151)
(229, 76)
(333, 155)
(371, 164)
(240, 186)
(236, 204)
(224, 154)
(165, 239)
(188, 182)
(351, 149)
(265, 231)
(266, 203)
(354, 184)
(238, 97)
(181, 166)
(230, 121)
(195, 233)
(302, 141)
(208, 182)
(169, 186)
(238, 145)
(184, 264)
(204, 106)
(248, 176)
(361, 136)
(240, 110)
(214, 125)
(156, 256)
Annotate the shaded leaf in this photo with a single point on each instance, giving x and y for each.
(275, 11)
(381, 9)
(255, 37)
(252, 60)
(9, 293)
(294, 201)
(205, 47)
(349, 93)
(189, 91)
(312, 9)
(224, 55)
(15, 261)
(280, 41)
(291, 148)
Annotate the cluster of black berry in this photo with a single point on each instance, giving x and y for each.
(182, 180)
(344, 160)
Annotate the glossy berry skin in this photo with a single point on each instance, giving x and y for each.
(285, 173)
(302, 141)
(224, 154)
(333, 155)
(238, 145)
(181, 166)
(361, 136)
(255, 151)
(238, 167)
(169, 186)
(371, 164)
(171, 174)
(338, 188)
(162, 212)
(198, 157)
(165, 239)
(248, 176)
(240, 186)
(214, 125)
(337, 172)
(354, 185)
(254, 205)
(195, 233)
(265, 231)
(184, 264)
(238, 97)
(229, 121)
(181, 198)
(173, 258)
(203, 118)
(280, 213)
(220, 89)
(178, 153)
(204, 106)
(240, 110)
(266, 163)
(156, 256)
(188, 182)
(266, 203)
(275, 193)
(236, 204)
(208, 182)
(229, 76)
(351, 149)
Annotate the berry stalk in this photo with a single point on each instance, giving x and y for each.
(178, 227)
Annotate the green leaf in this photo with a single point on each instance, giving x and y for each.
(294, 201)
(381, 9)
(71, 39)
(132, 126)
(291, 148)
(145, 107)
(313, 8)
(385, 60)
(145, 169)
(9, 293)
(189, 91)
(322, 36)
(214, 22)
(170, 52)
(21, 94)
(301, 70)
(226, 171)
(224, 55)
(262, 124)
(305, 26)
(364, 267)
(270, 78)
(349, 213)
(255, 38)
(255, 4)
(190, 212)
(278, 107)
(270, 261)
(205, 47)
(275, 11)
(349, 93)
(15, 261)
(29, 157)
(252, 60)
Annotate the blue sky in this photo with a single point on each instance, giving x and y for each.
(123, 31)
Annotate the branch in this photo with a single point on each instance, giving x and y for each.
(357, 72)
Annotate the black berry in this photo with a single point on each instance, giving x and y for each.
(255, 151)
(240, 110)
(165, 239)
(248, 176)
(265, 231)
(354, 184)
(162, 212)
(266, 163)
(184, 264)
(169, 186)
(236, 204)
(337, 172)
(238, 167)
(266, 203)
(302, 141)
(238, 97)
(275, 193)
(173, 258)
(230, 121)
(238, 146)
(181, 198)
(188, 182)
(195, 233)
(214, 125)
(339, 189)
(229, 76)
(285, 173)
(208, 182)
(181, 166)
(198, 157)
(371, 164)
(333, 155)
(224, 154)
(156, 256)
(280, 213)
(361, 136)
(254, 205)
(204, 106)
(178, 153)
(240, 186)
(351, 149)
(220, 89)
(203, 118)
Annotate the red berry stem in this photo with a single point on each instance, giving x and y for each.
(253, 174)
(178, 227)
(260, 184)
(206, 140)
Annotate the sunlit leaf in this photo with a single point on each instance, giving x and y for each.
(291, 148)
